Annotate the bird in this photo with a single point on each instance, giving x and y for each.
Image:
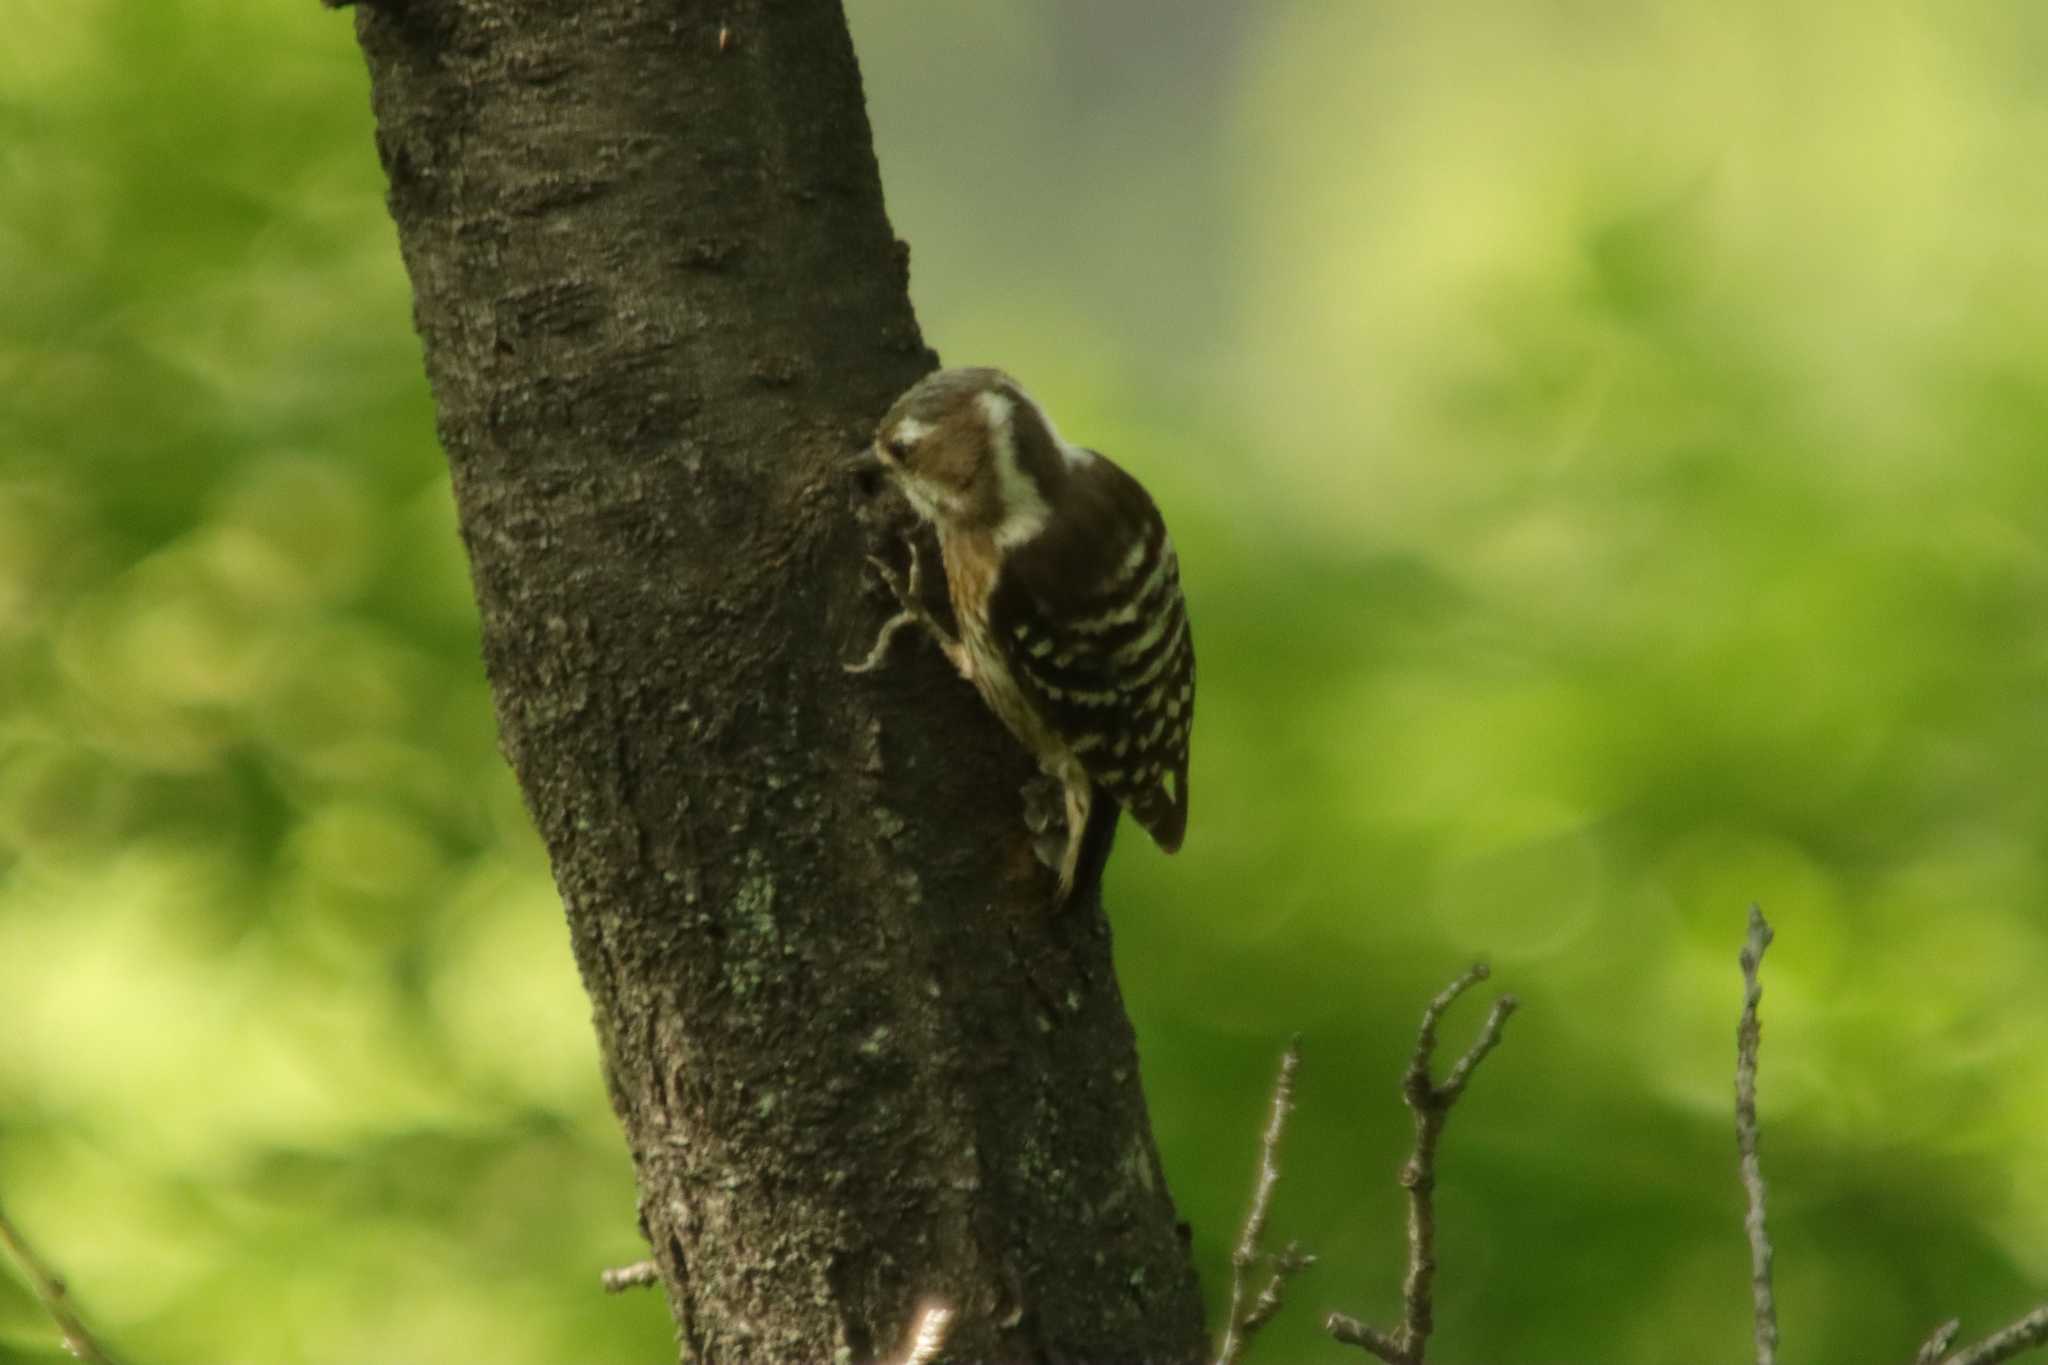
(1065, 587)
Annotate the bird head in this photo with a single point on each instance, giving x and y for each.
(973, 453)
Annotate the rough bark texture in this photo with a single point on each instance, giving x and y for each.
(858, 1064)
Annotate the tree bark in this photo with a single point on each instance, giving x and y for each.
(859, 1063)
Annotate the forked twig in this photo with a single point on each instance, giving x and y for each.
(1245, 1321)
(1431, 1104)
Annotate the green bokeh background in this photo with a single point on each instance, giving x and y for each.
(1608, 447)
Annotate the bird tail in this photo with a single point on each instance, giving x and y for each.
(1095, 845)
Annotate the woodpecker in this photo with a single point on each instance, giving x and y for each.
(1066, 591)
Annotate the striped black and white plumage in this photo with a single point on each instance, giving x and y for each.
(1067, 592)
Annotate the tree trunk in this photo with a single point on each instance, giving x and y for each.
(860, 1064)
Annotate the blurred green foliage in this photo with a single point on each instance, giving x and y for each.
(1609, 451)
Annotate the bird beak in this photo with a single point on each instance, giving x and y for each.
(864, 469)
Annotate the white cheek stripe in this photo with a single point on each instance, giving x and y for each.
(910, 431)
(924, 500)
(1025, 510)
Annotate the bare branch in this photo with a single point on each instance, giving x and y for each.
(1747, 1034)
(638, 1275)
(2029, 1332)
(1269, 1151)
(1431, 1104)
(1245, 1321)
(2024, 1335)
(56, 1299)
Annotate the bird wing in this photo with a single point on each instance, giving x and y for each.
(1091, 620)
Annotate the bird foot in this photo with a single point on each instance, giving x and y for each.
(909, 593)
(1045, 815)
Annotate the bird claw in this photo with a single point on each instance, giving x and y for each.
(908, 591)
(1045, 805)
(1045, 816)
(1048, 848)
(905, 593)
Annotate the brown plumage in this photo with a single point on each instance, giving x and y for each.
(1067, 592)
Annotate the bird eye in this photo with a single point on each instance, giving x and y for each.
(898, 449)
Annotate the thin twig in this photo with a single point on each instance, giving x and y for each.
(1288, 1262)
(1747, 1034)
(1936, 1346)
(2029, 1332)
(1431, 1104)
(56, 1299)
(638, 1275)
(1245, 1321)
(2024, 1335)
(1352, 1332)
